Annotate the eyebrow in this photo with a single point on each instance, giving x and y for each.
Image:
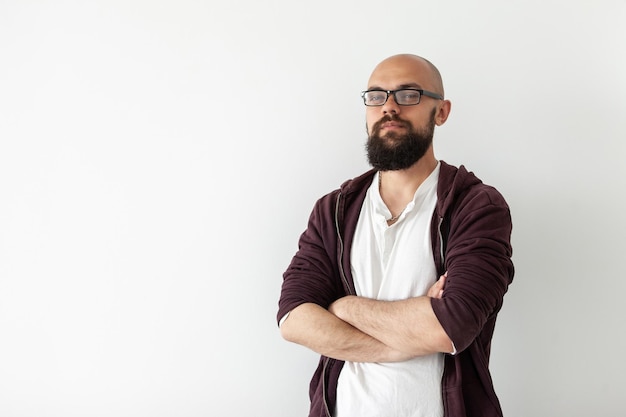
(400, 87)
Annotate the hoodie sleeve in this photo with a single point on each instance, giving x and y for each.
(478, 261)
(312, 274)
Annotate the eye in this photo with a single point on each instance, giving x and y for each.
(409, 95)
(376, 96)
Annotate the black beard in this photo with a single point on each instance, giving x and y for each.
(394, 151)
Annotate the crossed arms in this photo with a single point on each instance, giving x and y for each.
(359, 329)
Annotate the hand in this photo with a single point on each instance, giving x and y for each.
(436, 291)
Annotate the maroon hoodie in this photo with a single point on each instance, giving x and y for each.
(470, 234)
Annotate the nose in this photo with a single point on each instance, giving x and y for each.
(390, 105)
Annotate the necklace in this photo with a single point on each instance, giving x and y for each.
(393, 218)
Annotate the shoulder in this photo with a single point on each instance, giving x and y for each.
(459, 187)
(349, 189)
(357, 184)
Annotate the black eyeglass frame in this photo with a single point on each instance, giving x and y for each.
(389, 92)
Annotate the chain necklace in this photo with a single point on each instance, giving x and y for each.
(393, 218)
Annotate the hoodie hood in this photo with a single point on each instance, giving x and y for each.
(452, 183)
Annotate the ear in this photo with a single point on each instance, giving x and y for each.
(443, 112)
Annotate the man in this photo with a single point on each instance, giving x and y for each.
(362, 290)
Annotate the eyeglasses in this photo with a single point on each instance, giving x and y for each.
(403, 97)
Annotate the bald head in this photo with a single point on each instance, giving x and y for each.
(405, 67)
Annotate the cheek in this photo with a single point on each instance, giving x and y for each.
(370, 120)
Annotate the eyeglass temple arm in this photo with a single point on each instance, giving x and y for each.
(432, 95)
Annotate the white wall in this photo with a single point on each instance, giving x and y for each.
(159, 159)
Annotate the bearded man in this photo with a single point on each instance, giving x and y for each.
(401, 271)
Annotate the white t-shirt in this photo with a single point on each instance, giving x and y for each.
(392, 263)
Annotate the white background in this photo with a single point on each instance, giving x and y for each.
(159, 159)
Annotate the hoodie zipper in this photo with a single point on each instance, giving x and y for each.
(444, 394)
(441, 245)
(340, 239)
(344, 279)
(324, 387)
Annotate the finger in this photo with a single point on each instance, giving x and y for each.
(434, 290)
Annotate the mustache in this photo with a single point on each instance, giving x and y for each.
(390, 118)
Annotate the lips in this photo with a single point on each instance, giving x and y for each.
(393, 125)
(390, 123)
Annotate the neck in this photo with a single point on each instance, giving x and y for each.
(397, 188)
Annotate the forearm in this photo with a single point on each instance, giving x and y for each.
(314, 327)
(406, 325)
